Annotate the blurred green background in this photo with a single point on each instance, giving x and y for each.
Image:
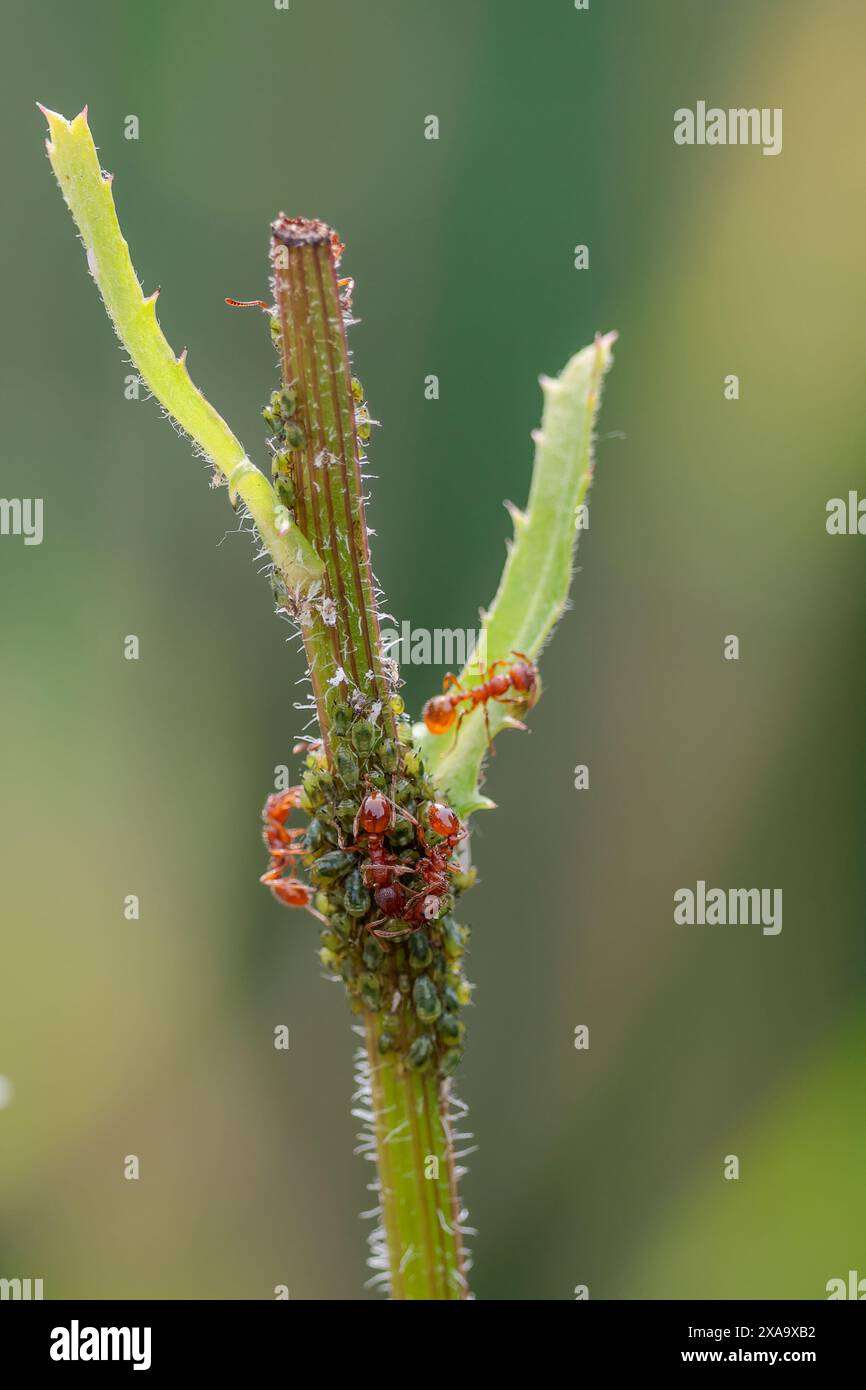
(155, 1037)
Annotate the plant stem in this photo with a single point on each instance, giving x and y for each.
(341, 633)
(420, 1246)
(421, 1235)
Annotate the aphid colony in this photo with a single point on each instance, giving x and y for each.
(381, 874)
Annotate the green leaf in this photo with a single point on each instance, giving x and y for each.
(88, 194)
(534, 587)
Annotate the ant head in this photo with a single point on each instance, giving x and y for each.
(525, 680)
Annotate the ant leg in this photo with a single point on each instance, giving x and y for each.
(490, 744)
(394, 935)
(451, 682)
(463, 714)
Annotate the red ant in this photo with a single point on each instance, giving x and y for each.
(284, 848)
(440, 712)
(383, 869)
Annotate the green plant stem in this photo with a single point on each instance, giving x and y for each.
(327, 470)
(420, 1205)
(409, 1109)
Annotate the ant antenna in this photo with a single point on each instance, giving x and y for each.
(249, 304)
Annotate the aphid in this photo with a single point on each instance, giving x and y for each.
(294, 435)
(363, 424)
(285, 490)
(420, 1052)
(427, 1003)
(346, 765)
(521, 676)
(364, 736)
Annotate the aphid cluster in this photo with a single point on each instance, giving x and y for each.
(287, 436)
(379, 855)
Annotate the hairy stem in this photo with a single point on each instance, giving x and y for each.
(419, 1248)
(421, 1235)
(341, 633)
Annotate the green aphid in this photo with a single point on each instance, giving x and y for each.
(386, 1043)
(372, 953)
(342, 926)
(451, 1061)
(404, 984)
(370, 991)
(275, 329)
(330, 940)
(464, 881)
(340, 714)
(363, 424)
(346, 766)
(347, 969)
(451, 1029)
(312, 791)
(397, 704)
(420, 1052)
(402, 834)
(426, 1000)
(326, 783)
(270, 419)
(453, 937)
(356, 898)
(419, 950)
(294, 435)
(364, 736)
(285, 490)
(450, 998)
(324, 904)
(288, 401)
(330, 867)
(389, 755)
(345, 812)
(377, 779)
(357, 390)
(316, 837)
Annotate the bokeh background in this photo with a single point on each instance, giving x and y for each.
(154, 1037)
